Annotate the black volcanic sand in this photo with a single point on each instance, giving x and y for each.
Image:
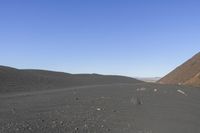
(119, 108)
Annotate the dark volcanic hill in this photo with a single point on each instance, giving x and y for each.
(12, 80)
(186, 74)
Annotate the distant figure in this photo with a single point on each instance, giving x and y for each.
(136, 101)
(139, 101)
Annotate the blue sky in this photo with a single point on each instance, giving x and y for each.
(127, 37)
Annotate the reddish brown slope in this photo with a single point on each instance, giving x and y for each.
(187, 73)
(195, 81)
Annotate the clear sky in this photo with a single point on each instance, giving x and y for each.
(129, 37)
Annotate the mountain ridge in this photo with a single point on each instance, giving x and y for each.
(12, 79)
(185, 74)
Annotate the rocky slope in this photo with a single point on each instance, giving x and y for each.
(186, 74)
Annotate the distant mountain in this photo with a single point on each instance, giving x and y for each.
(12, 79)
(186, 74)
(149, 79)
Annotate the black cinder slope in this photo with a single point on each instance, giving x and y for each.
(13, 80)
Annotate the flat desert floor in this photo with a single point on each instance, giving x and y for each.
(114, 108)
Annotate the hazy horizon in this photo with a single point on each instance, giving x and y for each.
(117, 37)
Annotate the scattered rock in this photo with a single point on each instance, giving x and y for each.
(114, 111)
(77, 98)
(182, 92)
(141, 89)
(98, 109)
(108, 129)
(61, 123)
(85, 125)
(29, 128)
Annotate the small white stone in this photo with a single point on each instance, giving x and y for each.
(182, 92)
(98, 109)
(85, 126)
(141, 89)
